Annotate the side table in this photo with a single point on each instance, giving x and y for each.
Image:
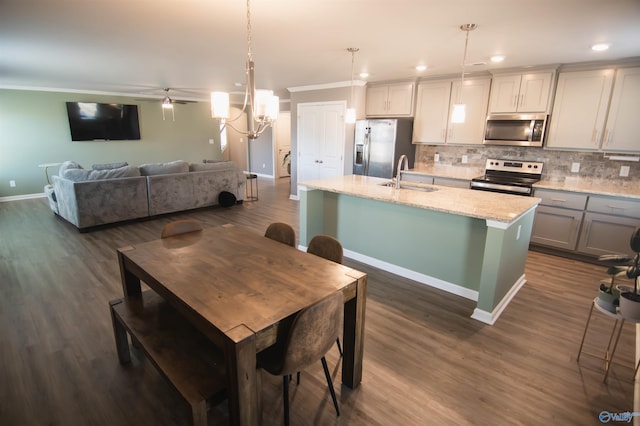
(613, 338)
(251, 178)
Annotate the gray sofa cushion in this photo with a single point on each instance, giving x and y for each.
(153, 169)
(219, 165)
(81, 175)
(107, 166)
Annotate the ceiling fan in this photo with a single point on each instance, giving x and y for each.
(167, 102)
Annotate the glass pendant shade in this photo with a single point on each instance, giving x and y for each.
(350, 116)
(264, 104)
(166, 104)
(273, 107)
(220, 105)
(459, 113)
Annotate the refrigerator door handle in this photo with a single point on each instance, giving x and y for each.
(366, 153)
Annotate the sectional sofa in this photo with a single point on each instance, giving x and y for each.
(110, 193)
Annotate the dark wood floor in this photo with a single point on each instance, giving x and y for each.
(426, 361)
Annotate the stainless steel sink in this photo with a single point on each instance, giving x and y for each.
(405, 185)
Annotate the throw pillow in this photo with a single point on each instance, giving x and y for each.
(152, 169)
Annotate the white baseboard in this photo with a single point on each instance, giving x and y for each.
(23, 197)
(491, 317)
(413, 275)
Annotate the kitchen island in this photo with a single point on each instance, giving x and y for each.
(470, 243)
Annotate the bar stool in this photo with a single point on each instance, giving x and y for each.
(251, 178)
(613, 338)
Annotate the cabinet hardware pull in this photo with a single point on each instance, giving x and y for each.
(559, 200)
(594, 135)
(615, 207)
(515, 101)
(607, 137)
(521, 100)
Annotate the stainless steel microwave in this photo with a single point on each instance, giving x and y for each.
(515, 129)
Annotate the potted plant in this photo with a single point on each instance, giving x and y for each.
(287, 160)
(630, 300)
(609, 294)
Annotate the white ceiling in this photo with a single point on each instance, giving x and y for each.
(136, 46)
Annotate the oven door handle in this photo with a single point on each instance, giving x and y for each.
(500, 187)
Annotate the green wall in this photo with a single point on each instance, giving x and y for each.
(34, 129)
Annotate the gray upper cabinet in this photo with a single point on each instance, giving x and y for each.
(521, 92)
(389, 100)
(435, 103)
(580, 108)
(623, 126)
(597, 111)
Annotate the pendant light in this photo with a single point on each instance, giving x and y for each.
(458, 115)
(260, 105)
(350, 116)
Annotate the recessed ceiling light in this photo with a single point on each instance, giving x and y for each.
(599, 47)
(421, 68)
(497, 58)
(364, 74)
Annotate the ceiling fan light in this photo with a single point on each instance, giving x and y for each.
(166, 104)
(459, 113)
(220, 105)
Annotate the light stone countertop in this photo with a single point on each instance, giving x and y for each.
(622, 188)
(465, 202)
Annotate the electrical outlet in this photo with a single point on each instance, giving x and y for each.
(624, 171)
(575, 167)
(436, 157)
(465, 159)
(264, 166)
(210, 141)
(12, 183)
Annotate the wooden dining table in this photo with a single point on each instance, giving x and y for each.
(236, 287)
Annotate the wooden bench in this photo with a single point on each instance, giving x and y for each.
(193, 365)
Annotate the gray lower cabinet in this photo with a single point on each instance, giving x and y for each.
(586, 224)
(558, 219)
(556, 227)
(608, 225)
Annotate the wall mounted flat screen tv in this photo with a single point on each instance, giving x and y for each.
(90, 121)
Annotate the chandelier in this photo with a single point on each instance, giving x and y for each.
(459, 109)
(261, 106)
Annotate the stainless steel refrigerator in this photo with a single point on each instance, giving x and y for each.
(379, 143)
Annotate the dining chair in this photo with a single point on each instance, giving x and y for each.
(281, 232)
(180, 227)
(329, 248)
(310, 336)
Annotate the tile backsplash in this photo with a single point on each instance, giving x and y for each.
(557, 164)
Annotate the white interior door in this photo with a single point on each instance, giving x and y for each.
(321, 140)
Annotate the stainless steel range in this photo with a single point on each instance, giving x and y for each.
(509, 177)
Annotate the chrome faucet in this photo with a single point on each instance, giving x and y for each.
(402, 162)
